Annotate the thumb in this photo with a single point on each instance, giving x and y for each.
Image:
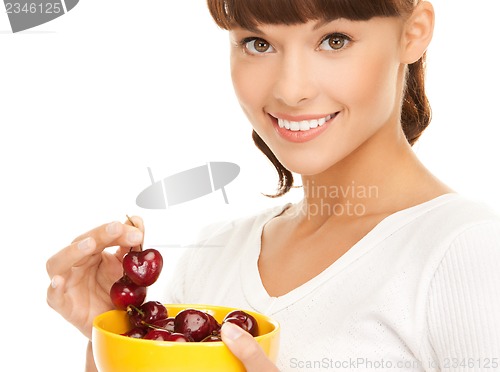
(246, 349)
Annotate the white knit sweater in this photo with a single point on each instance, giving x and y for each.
(420, 292)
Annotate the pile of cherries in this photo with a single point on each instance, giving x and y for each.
(149, 320)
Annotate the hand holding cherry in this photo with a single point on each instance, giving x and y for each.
(83, 272)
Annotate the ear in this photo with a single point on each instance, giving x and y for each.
(417, 32)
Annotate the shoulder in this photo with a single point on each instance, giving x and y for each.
(474, 245)
(460, 226)
(450, 216)
(441, 236)
(462, 208)
(462, 276)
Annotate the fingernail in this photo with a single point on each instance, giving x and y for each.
(134, 237)
(112, 228)
(54, 282)
(84, 245)
(231, 331)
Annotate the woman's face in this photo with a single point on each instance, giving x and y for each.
(315, 92)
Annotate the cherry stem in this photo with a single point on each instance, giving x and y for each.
(152, 326)
(133, 307)
(133, 224)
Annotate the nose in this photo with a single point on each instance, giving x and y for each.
(295, 81)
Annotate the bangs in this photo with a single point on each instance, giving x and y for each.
(249, 14)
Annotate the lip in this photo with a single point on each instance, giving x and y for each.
(301, 136)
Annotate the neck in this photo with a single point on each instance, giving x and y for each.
(380, 177)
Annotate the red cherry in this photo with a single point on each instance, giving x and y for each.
(212, 338)
(240, 323)
(157, 334)
(167, 323)
(124, 293)
(214, 324)
(179, 337)
(137, 332)
(243, 320)
(146, 314)
(144, 267)
(195, 323)
(164, 335)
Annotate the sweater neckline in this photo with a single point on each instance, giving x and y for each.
(254, 289)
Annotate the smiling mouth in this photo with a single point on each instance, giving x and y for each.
(304, 125)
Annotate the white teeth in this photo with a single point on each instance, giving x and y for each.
(302, 125)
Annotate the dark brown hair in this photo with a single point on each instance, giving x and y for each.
(416, 111)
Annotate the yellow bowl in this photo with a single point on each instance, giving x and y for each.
(116, 353)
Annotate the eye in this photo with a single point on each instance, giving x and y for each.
(256, 46)
(334, 42)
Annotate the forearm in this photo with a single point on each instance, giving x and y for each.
(89, 360)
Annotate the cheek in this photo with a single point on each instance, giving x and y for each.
(367, 87)
(381, 86)
(248, 86)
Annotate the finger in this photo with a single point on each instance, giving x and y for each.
(66, 258)
(113, 234)
(246, 349)
(138, 223)
(135, 221)
(92, 242)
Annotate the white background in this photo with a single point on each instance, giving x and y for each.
(91, 99)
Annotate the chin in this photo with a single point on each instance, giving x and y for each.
(306, 166)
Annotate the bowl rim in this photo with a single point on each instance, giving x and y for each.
(198, 306)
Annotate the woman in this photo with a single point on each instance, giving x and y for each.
(363, 272)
